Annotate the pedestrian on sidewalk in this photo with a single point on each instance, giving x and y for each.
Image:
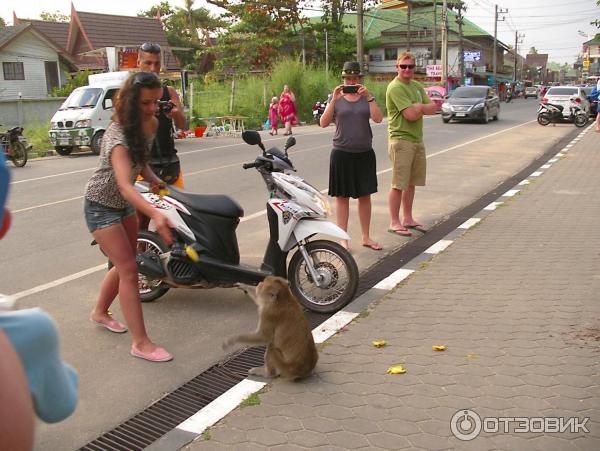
(352, 167)
(287, 109)
(273, 113)
(111, 201)
(407, 103)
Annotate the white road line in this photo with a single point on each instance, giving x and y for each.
(46, 205)
(536, 173)
(52, 176)
(469, 223)
(58, 282)
(393, 279)
(332, 325)
(217, 409)
(438, 247)
(511, 192)
(493, 206)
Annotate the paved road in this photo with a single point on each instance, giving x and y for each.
(49, 241)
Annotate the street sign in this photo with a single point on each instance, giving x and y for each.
(586, 63)
(433, 70)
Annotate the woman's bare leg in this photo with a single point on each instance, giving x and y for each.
(342, 212)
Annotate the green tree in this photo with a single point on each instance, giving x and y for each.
(186, 27)
(2, 23)
(55, 16)
(73, 81)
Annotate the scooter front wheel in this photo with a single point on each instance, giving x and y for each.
(338, 275)
(581, 120)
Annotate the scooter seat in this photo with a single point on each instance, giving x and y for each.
(559, 107)
(216, 204)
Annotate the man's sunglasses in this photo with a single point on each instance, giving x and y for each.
(149, 47)
(406, 66)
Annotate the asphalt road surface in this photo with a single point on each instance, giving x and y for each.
(47, 260)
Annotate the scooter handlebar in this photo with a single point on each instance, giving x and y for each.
(249, 165)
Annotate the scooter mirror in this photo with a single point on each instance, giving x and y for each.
(291, 141)
(251, 137)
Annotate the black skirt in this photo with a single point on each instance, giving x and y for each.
(352, 174)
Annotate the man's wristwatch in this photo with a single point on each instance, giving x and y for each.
(372, 99)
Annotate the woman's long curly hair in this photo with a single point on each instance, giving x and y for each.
(127, 112)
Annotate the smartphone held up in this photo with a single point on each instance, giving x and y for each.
(350, 89)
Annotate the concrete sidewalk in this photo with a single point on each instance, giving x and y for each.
(516, 300)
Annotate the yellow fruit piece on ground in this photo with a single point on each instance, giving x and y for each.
(439, 347)
(379, 343)
(396, 369)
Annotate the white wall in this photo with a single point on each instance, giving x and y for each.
(388, 66)
(32, 52)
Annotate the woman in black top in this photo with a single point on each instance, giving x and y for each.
(352, 171)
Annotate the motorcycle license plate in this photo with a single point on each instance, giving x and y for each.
(461, 114)
(63, 142)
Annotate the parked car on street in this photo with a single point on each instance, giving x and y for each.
(531, 91)
(561, 95)
(471, 103)
(437, 95)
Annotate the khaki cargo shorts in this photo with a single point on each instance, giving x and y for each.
(409, 163)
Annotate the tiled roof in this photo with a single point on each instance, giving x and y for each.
(7, 34)
(57, 32)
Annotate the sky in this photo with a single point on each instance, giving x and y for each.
(551, 26)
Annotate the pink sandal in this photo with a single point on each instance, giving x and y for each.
(113, 325)
(158, 355)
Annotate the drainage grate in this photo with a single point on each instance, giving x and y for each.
(165, 414)
(161, 417)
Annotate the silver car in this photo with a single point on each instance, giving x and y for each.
(561, 95)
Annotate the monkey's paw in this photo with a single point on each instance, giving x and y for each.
(260, 371)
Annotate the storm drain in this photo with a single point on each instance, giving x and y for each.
(152, 423)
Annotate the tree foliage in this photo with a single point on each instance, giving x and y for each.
(74, 80)
(187, 28)
(55, 16)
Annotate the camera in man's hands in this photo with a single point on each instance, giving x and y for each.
(165, 106)
(350, 89)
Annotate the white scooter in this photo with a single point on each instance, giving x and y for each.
(204, 254)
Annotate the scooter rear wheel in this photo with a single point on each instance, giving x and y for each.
(543, 119)
(335, 266)
(18, 154)
(151, 289)
(580, 120)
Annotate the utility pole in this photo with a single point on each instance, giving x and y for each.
(359, 32)
(515, 54)
(445, 44)
(496, 12)
(434, 46)
(326, 56)
(461, 53)
(408, 26)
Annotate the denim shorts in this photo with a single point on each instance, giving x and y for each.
(98, 216)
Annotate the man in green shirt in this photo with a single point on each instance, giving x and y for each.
(406, 103)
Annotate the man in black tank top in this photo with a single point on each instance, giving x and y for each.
(164, 161)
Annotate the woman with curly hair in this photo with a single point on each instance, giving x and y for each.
(111, 201)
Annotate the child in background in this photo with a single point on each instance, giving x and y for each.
(273, 113)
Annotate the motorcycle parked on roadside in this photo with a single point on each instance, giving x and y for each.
(15, 146)
(552, 113)
(319, 108)
(323, 275)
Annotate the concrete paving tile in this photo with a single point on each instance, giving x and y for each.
(573, 392)
(297, 411)
(435, 427)
(308, 439)
(386, 440)
(382, 401)
(283, 424)
(421, 402)
(308, 399)
(576, 381)
(319, 424)
(360, 426)
(244, 422)
(548, 443)
(334, 412)
(267, 437)
(287, 447)
(355, 388)
(410, 414)
(372, 412)
(429, 441)
(576, 405)
(228, 436)
(539, 380)
(346, 400)
(347, 440)
(587, 443)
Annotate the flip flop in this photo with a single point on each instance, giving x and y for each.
(374, 246)
(113, 325)
(401, 232)
(417, 227)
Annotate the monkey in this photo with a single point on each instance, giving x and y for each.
(291, 352)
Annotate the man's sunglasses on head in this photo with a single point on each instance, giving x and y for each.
(149, 47)
(406, 66)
